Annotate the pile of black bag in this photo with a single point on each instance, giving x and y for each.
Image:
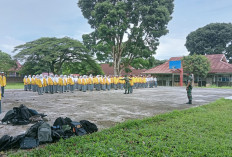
(42, 132)
(22, 116)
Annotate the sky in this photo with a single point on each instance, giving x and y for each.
(27, 20)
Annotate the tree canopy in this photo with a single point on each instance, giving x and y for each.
(214, 38)
(196, 64)
(140, 63)
(6, 62)
(127, 29)
(49, 55)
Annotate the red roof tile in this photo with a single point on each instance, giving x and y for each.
(218, 64)
(109, 70)
(17, 68)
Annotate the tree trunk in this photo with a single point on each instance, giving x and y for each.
(117, 56)
(117, 61)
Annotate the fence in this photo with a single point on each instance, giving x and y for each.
(14, 79)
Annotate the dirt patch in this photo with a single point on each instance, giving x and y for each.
(105, 108)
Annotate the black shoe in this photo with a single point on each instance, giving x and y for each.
(190, 102)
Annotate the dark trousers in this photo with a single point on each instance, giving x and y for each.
(189, 93)
(25, 87)
(2, 88)
(72, 88)
(51, 89)
(0, 106)
(29, 87)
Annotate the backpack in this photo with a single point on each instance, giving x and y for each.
(61, 129)
(8, 116)
(60, 133)
(29, 142)
(10, 142)
(77, 128)
(88, 126)
(24, 112)
(44, 133)
(62, 121)
(18, 116)
(33, 130)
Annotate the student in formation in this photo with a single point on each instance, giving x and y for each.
(56, 79)
(76, 82)
(79, 81)
(68, 83)
(29, 82)
(45, 83)
(103, 83)
(90, 81)
(155, 81)
(84, 84)
(50, 84)
(65, 81)
(97, 83)
(108, 83)
(3, 85)
(116, 82)
(0, 99)
(132, 80)
(60, 83)
(112, 81)
(33, 83)
(1, 82)
(71, 83)
(120, 82)
(40, 84)
(36, 80)
(25, 83)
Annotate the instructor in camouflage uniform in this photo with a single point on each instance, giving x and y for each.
(189, 87)
(127, 84)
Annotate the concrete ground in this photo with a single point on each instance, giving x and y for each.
(106, 108)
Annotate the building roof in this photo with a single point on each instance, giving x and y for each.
(17, 68)
(109, 70)
(218, 64)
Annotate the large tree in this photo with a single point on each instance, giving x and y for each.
(49, 54)
(197, 64)
(6, 62)
(140, 63)
(126, 29)
(214, 38)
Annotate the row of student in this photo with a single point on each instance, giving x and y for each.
(2, 87)
(63, 83)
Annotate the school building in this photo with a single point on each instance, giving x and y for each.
(109, 70)
(220, 73)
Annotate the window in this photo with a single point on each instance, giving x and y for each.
(223, 78)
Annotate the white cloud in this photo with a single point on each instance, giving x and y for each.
(8, 43)
(171, 47)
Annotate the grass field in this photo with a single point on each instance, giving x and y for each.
(14, 86)
(200, 131)
(223, 87)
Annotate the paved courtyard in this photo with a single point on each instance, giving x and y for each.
(106, 108)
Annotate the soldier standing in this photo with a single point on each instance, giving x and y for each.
(189, 87)
(127, 84)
